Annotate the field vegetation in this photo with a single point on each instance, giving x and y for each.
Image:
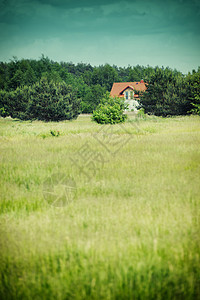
(129, 227)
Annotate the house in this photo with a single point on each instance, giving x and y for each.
(128, 91)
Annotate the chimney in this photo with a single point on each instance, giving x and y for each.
(142, 81)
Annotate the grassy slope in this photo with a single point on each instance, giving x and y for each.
(132, 231)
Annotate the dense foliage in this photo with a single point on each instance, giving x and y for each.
(110, 111)
(49, 101)
(169, 92)
(90, 82)
(44, 100)
(166, 94)
(14, 103)
(194, 90)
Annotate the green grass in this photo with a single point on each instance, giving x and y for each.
(132, 229)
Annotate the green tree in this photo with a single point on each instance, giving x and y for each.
(14, 103)
(50, 101)
(135, 73)
(92, 98)
(29, 76)
(5, 104)
(105, 76)
(166, 94)
(194, 90)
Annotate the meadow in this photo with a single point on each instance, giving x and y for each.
(91, 211)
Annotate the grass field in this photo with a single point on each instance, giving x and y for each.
(100, 212)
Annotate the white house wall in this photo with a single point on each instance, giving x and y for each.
(132, 105)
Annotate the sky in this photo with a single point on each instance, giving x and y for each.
(122, 33)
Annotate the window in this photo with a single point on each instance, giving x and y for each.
(131, 94)
(126, 95)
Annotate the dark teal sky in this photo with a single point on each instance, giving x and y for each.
(116, 32)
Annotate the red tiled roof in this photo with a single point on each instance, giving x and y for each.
(127, 86)
(119, 87)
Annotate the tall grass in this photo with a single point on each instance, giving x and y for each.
(132, 229)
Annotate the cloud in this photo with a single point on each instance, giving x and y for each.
(68, 4)
(116, 16)
(99, 30)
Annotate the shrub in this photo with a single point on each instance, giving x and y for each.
(196, 109)
(110, 111)
(55, 133)
(3, 112)
(141, 112)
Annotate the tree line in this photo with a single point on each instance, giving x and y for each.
(28, 87)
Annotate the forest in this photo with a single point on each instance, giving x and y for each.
(169, 91)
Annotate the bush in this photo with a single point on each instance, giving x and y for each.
(55, 133)
(110, 111)
(141, 112)
(196, 109)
